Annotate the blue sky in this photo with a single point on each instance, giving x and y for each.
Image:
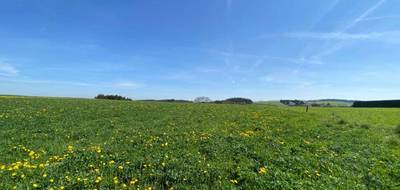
(260, 49)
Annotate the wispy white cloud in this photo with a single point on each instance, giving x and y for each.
(7, 69)
(301, 60)
(333, 35)
(342, 33)
(374, 18)
(364, 15)
(127, 84)
(122, 85)
(293, 80)
(385, 36)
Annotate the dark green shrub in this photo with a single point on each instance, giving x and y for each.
(238, 101)
(112, 97)
(397, 129)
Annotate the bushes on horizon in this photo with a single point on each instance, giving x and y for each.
(112, 97)
(293, 102)
(202, 99)
(377, 104)
(238, 101)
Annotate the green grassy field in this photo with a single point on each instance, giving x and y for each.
(54, 143)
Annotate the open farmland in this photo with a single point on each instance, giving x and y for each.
(55, 143)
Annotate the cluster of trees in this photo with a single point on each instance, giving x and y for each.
(238, 101)
(227, 101)
(112, 97)
(293, 102)
(169, 100)
(377, 104)
(201, 99)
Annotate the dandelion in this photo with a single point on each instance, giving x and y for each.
(44, 175)
(263, 170)
(51, 180)
(120, 167)
(115, 180)
(98, 179)
(70, 148)
(234, 181)
(133, 181)
(35, 185)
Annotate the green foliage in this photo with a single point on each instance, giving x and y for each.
(378, 104)
(238, 101)
(86, 144)
(112, 97)
(397, 130)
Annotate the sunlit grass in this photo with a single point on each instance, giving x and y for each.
(49, 143)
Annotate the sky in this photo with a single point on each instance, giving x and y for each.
(155, 49)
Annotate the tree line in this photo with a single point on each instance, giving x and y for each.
(202, 99)
(377, 104)
(112, 97)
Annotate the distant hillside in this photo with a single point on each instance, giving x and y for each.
(332, 102)
(316, 103)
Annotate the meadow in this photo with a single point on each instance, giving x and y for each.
(61, 143)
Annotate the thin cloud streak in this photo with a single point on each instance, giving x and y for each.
(341, 33)
(7, 69)
(126, 84)
(302, 60)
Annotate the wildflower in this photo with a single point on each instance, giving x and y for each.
(70, 148)
(35, 185)
(51, 180)
(133, 181)
(120, 167)
(44, 175)
(98, 179)
(116, 180)
(234, 181)
(111, 162)
(263, 170)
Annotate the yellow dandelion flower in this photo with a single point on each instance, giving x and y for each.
(133, 181)
(263, 170)
(98, 179)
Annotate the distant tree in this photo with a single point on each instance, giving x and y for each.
(238, 101)
(112, 97)
(293, 102)
(202, 99)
